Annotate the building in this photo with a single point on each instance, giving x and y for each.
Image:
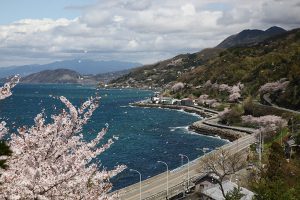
(155, 100)
(166, 100)
(176, 102)
(187, 102)
(209, 189)
(214, 192)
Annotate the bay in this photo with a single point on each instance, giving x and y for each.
(146, 135)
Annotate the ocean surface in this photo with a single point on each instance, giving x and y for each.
(146, 135)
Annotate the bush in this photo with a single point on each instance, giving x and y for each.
(233, 115)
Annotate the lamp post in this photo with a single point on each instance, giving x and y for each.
(133, 170)
(182, 155)
(260, 148)
(167, 175)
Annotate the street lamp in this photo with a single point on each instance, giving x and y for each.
(133, 170)
(182, 155)
(260, 147)
(167, 175)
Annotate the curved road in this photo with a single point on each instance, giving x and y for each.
(155, 187)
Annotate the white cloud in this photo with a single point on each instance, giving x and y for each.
(188, 9)
(140, 30)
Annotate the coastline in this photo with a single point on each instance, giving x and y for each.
(203, 126)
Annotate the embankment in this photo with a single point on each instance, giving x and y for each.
(203, 113)
(208, 126)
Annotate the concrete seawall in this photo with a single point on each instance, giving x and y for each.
(202, 112)
(204, 129)
(208, 126)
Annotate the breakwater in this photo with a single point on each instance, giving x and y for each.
(209, 125)
(202, 112)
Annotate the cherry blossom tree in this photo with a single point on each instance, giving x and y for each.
(207, 84)
(177, 86)
(5, 91)
(267, 125)
(204, 100)
(224, 87)
(269, 122)
(53, 161)
(234, 97)
(274, 86)
(225, 112)
(5, 151)
(233, 91)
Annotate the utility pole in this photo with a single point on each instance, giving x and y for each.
(260, 149)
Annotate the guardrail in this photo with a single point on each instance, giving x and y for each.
(173, 191)
(179, 188)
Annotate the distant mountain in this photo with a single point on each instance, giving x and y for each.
(69, 76)
(81, 66)
(54, 76)
(250, 37)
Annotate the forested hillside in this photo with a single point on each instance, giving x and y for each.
(269, 61)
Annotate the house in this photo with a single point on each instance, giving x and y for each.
(176, 102)
(210, 190)
(166, 100)
(187, 102)
(214, 192)
(204, 182)
(155, 100)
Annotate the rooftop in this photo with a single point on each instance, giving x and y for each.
(215, 192)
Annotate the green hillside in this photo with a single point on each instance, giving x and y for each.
(164, 72)
(268, 61)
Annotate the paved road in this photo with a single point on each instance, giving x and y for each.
(266, 97)
(213, 121)
(157, 184)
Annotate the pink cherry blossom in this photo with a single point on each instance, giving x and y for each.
(5, 91)
(207, 84)
(53, 161)
(225, 112)
(233, 91)
(177, 86)
(274, 86)
(234, 97)
(224, 87)
(266, 123)
(204, 100)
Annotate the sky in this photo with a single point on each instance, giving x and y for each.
(145, 31)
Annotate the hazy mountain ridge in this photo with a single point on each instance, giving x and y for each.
(81, 66)
(53, 76)
(69, 76)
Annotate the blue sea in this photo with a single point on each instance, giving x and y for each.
(146, 135)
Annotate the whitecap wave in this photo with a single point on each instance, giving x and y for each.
(189, 113)
(186, 128)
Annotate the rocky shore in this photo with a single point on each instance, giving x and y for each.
(207, 126)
